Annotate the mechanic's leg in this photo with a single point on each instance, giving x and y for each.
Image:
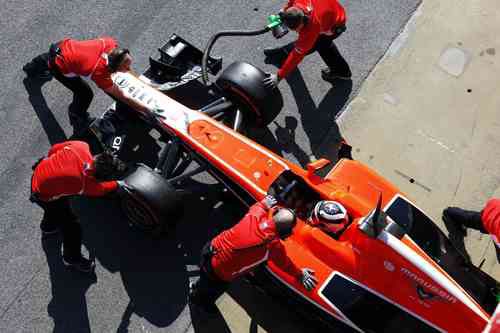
(72, 237)
(208, 288)
(464, 218)
(338, 68)
(38, 66)
(82, 97)
(49, 224)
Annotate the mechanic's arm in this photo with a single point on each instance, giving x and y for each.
(93, 188)
(304, 43)
(119, 95)
(288, 5)
(277, 253)
(260, 209)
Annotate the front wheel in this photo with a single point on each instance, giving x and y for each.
(151, 204)
(242, 83)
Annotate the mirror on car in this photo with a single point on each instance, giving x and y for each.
(315, 166)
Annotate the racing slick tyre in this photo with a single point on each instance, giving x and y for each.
(151, 203)
(242, 83)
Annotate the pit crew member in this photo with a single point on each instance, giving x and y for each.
(71, 60)
(236, 251)
(487, 221)
(70, 170)
(318, 23)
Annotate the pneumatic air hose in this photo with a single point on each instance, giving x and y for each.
(213, 39)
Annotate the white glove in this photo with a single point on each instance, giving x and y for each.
(269, 201)
(307, 279)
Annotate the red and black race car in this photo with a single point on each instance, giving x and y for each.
(390, 270)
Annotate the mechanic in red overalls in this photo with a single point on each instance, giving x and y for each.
(71, 60)
(69, 170)
(318, 23)
(486, 221)
(236, 251)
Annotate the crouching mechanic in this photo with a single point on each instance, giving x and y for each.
(71, 60)
(257, 237)
(69, 170)
(329, 216)
(487, 221)
(318, 23)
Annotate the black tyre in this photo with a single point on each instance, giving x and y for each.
(242, 83)
(152, 204)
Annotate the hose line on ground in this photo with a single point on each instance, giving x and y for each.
(213, 39)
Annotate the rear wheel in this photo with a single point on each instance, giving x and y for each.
(152, 204)
(242, 83)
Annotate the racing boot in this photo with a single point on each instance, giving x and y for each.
(79, 263)
(330, 74)
(463, 219)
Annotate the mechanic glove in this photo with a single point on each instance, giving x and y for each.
(122, 189)
(269, 201)
(271, 81)
(307, 279)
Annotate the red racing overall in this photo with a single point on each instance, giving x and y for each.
(69, 61)
(326, 21)
(238, 250)
(490, 217)
(65, 172)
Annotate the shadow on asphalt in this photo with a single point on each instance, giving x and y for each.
(319, 121)
(155, 272)
(54, 131)
(68, 306)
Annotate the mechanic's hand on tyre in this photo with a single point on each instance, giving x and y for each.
(122, 189)
(271, 81)
(269, 201)
(307, 279)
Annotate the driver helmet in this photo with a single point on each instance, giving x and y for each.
(330, 216)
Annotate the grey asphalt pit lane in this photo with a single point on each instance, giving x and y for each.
(413, 181)
(453, 61)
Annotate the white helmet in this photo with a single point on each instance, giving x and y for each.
(331, 216)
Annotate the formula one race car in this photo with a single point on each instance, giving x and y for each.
(390, 270)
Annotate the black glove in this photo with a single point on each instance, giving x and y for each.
(269, 201)
(271, 81)
(307, 279)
